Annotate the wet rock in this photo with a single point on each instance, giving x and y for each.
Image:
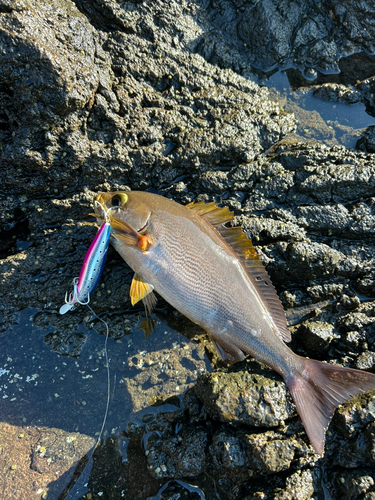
(367, 141)
(245, 398)
(338, 93)
(267, 454)
(178, 490)
(77, 116)
(228, 458)
(355, 451)
(228, 451)
(183, 455)
(102, 96)
(351, 484)
(316, 336)
(49, 71)
(332, 220)
(164, 373)
(301, 484)
(357, 320)
(367, 88)
(277, 33)
(365, 361)
(352, 417)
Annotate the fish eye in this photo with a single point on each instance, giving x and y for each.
(119, 199)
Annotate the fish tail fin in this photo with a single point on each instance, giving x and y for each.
(317, 391)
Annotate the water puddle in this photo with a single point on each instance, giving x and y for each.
(53, 406)
(330, 122)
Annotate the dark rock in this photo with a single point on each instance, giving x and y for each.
(366, 360)
(183, 455)
(352, 484)
(267, 454)
(228, 451)
(302, 485)
(178, 490)
(101, 96)
(367, 141)
(367, 89)
(352, 417)
(245, 398)
(316, 336)
(278, 33)
(338, 93)
(351, 439)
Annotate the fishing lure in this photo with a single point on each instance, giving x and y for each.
(91, 270)
(83, 286)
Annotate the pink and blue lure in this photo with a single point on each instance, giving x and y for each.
(89, 276)
(91, 270)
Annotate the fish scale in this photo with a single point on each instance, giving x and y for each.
(213, 275)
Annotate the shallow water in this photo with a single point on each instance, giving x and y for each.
(325, 121)
(44, 393)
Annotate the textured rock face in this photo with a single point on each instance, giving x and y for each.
(245, 398)
(304, 33)
(103, 96)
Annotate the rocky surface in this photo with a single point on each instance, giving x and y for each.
(163, 374)
(243, 398)
(103, 96)
(34, 459)
(309, 35)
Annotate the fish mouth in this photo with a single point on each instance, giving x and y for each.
(99, 204)
(100, 207)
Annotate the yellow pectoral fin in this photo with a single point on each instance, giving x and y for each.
(139, 289)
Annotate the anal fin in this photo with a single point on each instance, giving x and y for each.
(149, 301)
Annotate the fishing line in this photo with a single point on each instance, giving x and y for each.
(75, 491)
(108, 376)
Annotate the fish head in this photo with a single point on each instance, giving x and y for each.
(126, 206)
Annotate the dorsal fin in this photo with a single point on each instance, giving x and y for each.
(211, 213)
(242, 246)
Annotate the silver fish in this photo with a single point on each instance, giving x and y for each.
(213, 275)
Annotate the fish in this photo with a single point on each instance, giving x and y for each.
(213, 275)
(91, 270)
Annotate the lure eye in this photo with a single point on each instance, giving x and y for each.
(119, 199)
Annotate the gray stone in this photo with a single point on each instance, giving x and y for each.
(279, 33)
(245, 398)
(179, 456)
(367, 140)
(316, 336)
(353, 484)
(338, 93)
(267, 454)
